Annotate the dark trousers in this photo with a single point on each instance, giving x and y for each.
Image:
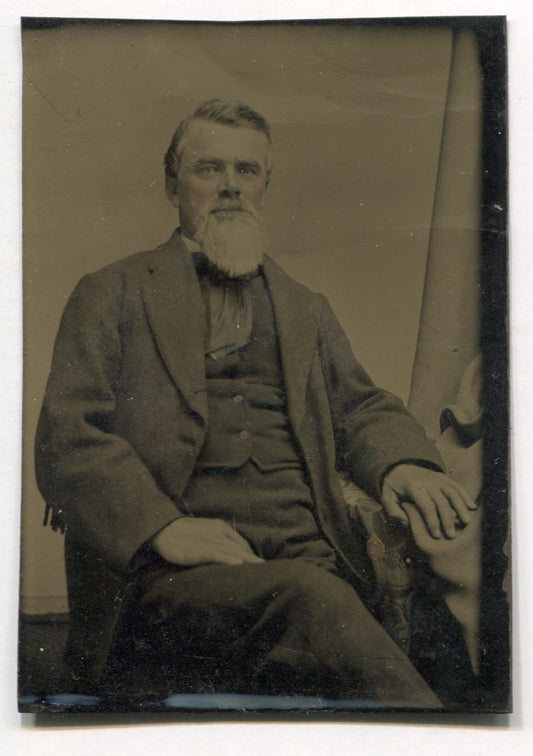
(286, 626)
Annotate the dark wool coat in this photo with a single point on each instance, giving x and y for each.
(125, 416)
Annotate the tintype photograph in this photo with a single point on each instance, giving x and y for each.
(265, 396)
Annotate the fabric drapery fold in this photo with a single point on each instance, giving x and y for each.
(448, 336)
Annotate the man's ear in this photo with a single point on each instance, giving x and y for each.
(171, 188)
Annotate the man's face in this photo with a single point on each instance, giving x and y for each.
(223, 172)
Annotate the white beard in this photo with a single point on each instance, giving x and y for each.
(233, 240)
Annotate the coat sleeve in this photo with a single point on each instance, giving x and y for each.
(90, 477)
(374, 432)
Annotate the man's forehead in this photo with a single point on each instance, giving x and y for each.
(211, 139)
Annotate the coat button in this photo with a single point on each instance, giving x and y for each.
(238, 398)
(243, 435)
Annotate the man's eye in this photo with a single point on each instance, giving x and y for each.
(206, 169)
(249, 170)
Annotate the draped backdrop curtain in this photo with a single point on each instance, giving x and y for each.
(449, 322)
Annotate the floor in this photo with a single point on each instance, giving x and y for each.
(42, 670)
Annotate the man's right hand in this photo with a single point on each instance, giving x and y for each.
(193, 541)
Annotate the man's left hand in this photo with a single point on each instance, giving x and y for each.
(440, 500)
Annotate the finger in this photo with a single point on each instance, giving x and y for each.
(199, 558)
(231, 560)
(428, 510)
(461, 492)
(244, 548)
(229, 532)
(423, 538)
(219, 535)
(392, 507)
(238, 547)
(241, 546)
(234, 559)
(252, 558)
(458, 503)
(446, 514)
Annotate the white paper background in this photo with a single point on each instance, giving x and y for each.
(367, 735)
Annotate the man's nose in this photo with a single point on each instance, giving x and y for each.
(229, 184)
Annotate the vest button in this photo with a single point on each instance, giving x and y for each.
(238, 398)
(243, 435)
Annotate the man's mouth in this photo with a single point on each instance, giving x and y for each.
(230, 209)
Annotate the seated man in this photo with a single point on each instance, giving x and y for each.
(199, 406)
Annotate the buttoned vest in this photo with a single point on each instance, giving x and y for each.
(249, 472)
(248, 417)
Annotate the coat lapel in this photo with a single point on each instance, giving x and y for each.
(297, 334)
(175, 310)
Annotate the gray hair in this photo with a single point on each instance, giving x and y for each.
(218, 111)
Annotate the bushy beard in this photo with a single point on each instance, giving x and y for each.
(232, 237)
